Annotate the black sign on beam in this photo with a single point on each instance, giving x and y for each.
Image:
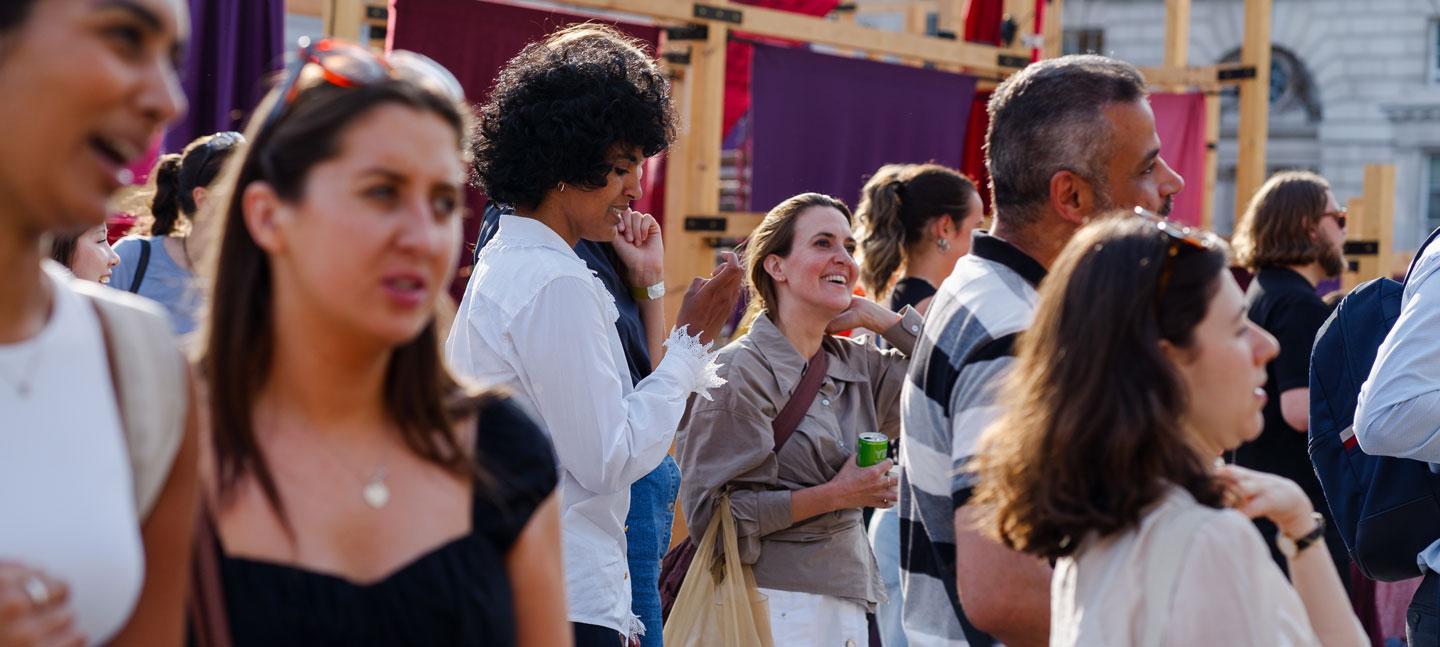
(677, 58)
(687, 32)
(1236, 73)
(705, 223)
(377, 32)
(1354, 266)
(1362, 248)
(716, 13)
(376, 13)
(1011, 60)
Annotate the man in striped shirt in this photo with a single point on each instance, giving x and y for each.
(1069, 138)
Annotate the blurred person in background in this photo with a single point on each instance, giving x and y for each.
(87, 255)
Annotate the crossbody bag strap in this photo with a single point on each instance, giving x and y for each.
(140, 269)
(800, 401)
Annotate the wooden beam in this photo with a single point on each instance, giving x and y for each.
(1355, 267)
(1054, 29)
(305, 7)
(1379, 221)
(783, 24)
(1177, 33)
(693, 169)
(344, 19)
(1254, 103)
(1203, 78)
(1212, 160)
(1023, 13)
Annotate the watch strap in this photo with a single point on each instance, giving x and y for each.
(1308, 539)
(649, 292)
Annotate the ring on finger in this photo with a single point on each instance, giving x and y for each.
(36, 589)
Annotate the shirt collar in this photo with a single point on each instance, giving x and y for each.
(787, 364)
(523, 230)
(990, 248)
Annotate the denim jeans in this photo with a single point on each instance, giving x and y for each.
(647, 535)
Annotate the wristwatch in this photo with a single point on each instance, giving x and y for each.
(1292, 547)
(649, 293)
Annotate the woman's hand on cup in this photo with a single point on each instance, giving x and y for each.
(1257, 494)
(35, 610)
(864, 487)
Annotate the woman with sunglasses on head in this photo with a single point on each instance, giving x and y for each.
(359, 493)
(87, 255)
(160, 257)
(1141, 369)
(563, 139)
(97, 484)
(797, 501)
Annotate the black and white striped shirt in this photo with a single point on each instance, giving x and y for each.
(947, 401)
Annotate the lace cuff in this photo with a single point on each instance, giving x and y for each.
(700, 357)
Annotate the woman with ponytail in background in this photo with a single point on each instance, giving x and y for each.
(914, 219)
(158, 259)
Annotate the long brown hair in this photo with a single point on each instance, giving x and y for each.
(1276, 226)
(237, 339)
(896, 205)
(1091, 433)
(776, 235)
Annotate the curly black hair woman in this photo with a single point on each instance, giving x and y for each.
(563, 140)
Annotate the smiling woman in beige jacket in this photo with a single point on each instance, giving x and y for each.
(798, 510)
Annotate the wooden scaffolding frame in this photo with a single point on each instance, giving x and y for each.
(696, 56)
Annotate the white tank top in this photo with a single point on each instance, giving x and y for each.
(66, 500)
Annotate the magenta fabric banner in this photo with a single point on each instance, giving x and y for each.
(1180, 122)
(824, 123)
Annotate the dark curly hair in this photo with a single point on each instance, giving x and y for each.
(559, 108)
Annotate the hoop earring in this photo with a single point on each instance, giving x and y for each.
(562, 187)
(943, 244)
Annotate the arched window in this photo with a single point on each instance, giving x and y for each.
(1291, 86)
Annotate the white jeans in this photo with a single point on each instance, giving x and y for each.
(804, 619)
(885, 541)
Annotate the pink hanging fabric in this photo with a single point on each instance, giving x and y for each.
(1180, 122)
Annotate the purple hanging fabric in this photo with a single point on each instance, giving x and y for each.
(824, 123)
(234, 45)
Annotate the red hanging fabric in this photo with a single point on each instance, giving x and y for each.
(982, 21)
(973, 162)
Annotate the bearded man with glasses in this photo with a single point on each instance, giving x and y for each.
(1292, 237)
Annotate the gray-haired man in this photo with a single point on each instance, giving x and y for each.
(1069, 138)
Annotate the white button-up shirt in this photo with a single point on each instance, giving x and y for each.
(536, 320)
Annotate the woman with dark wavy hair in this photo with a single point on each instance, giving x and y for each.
(563, 140)
(1140, 369)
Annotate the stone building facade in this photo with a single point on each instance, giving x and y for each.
(1353, 82)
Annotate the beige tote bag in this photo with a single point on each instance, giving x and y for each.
(719, 605)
